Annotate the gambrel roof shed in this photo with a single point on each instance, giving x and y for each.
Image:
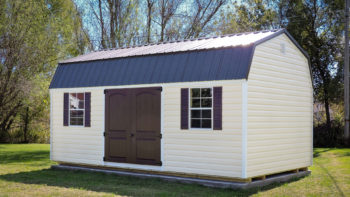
(234, 107)
(203, 59)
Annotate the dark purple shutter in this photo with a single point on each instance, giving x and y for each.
(217, 108)
(184, 108)
(65, 109)
(87, 109)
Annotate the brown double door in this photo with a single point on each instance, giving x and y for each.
(132, 123)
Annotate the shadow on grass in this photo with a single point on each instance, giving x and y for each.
(122, 185)
(343, 154)
(318, 151)
(331, 177)
(23, 156)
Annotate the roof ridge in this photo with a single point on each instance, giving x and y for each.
(200, 43)
(191, 39)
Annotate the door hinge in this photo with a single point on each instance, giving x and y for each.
(160, 163)
(105, 91)
(160, 89)
(104, 134)
(104, 159)
(160, 136)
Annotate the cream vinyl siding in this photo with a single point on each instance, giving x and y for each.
(207, 152)
(279, 120)
(204, 151)
(78, 144)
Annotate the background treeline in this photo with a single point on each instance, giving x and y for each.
(36, 34)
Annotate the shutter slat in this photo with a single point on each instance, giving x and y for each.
(184, 108)
(217, 108)
(87, 109)
(65, 109)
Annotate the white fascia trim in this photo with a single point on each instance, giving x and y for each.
(164, 85)
(244, 127)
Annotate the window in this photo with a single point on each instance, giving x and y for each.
(201, 107)
(76, 109)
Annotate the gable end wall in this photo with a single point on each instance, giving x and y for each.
(280, 98)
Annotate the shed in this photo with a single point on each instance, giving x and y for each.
(231, 107)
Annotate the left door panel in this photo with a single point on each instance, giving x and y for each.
(117, 126)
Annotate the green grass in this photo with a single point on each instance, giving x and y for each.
(25, 171)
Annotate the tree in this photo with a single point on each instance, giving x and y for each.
(317, 26)
(205, 10)
(253, 15)
(33, 36)
(167, 10)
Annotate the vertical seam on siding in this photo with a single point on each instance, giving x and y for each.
(244, 128)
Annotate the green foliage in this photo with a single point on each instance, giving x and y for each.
(34, 35)
(252, 15)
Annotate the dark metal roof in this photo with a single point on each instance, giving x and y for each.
(207, 59)
(204, 65)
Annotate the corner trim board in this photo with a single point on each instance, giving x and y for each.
(244, 127)
(51, 145)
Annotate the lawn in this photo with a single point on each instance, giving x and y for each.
(25, 171)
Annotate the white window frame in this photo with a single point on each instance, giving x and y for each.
(69, 109)
(200, 108)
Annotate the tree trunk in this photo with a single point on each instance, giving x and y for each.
(112, 18)
(149, 19)
(328, 116)
(26, 123)
(103, 42)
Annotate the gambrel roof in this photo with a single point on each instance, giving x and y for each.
(203, 59)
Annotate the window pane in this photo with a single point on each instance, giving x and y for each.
(195, 103)
(206, 123)
(80, 121)
(76, 100)
(76, 113)
(206, 113)
(81, 104)
(73, 121)
(76, 121)
(195, 123)
(206, 102)
(195, 113)
(205, 92)
(195, 92)
(73, 101)
(80, 96)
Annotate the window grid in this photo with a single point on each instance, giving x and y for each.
(79, 109)
(200, 108)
